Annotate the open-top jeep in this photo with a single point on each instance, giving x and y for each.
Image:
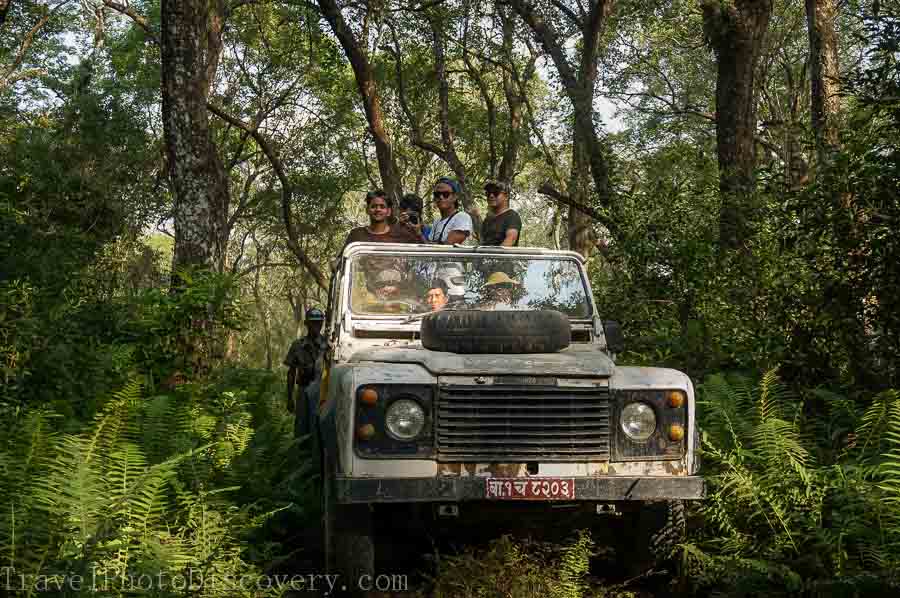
(505, 400)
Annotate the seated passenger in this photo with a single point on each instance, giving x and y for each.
(392, 294)
(387, 285)
(498, 292)
(454, 279)
(437, 296)
(380, 230)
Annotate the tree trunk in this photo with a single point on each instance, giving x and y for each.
(514, 89)
(4, 9)
(580, 232)
(190, 48)
(736, 31)
(824, 74)
(588, 161)
(368, 91)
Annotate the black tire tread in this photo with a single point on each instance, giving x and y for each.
(474, 331)
(350, 547)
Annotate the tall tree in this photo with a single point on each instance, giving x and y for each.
(356, 50)
(735, 30)
(579, 82)
(824, 74)
(191, 44)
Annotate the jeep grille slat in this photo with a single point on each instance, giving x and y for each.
(508, 423)
(599, 424)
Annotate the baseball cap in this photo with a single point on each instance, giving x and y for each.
(496, 186)
(314, 314)
(448, 181)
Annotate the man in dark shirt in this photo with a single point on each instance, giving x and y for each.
(380, 230)
(304, 361)
(502, 224)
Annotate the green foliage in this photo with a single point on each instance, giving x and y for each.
(521, 568)
(787, 509)
(162, 486)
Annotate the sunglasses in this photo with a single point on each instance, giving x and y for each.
(442, 194)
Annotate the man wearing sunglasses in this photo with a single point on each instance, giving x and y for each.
(454, 226)
(502, 225)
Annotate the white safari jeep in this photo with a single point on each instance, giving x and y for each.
(504, 402)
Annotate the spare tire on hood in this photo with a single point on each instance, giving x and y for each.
(474, 331)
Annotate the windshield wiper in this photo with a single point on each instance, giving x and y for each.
(416, 317)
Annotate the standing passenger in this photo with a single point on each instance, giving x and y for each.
(454, 226)
(379, 229)
(502, 225)
(411, 215)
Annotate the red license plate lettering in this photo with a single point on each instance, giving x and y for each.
(529, 488)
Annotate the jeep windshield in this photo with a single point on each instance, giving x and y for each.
(397, 285)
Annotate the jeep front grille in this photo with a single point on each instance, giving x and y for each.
(502, 423)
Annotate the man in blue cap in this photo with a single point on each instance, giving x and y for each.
(304, 361)
(455, 225)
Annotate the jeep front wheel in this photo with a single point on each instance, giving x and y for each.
(349, 541)
(657, 529)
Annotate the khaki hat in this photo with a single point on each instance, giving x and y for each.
(498, 278)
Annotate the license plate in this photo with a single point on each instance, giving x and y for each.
(529, 489)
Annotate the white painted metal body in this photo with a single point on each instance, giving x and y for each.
(358, 361)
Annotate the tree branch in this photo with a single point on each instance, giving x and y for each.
(287, 191)
(138, 19)
(548, 190)
(416, 136)
(8, 78)
(575, 19)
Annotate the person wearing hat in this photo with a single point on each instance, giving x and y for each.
(387, 285)
(304, 361)
(455, 225)
(498, 292)
(502, 224)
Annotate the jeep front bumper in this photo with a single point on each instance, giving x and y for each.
(452, 489)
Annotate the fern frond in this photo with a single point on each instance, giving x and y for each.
(890, 467)
(875, 422)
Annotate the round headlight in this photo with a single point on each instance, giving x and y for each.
(404, 419)
(638, 421)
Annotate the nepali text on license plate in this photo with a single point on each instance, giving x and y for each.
(529, 489)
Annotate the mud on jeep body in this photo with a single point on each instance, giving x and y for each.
(501, 403)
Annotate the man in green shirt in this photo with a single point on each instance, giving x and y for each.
(304, 361)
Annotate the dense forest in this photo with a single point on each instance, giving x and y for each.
(176, 177)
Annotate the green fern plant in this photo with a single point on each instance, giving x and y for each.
(126, 496)
(779, 517)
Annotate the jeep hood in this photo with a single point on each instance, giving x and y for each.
(575, 360)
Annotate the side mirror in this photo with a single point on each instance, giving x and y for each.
(615, 340)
